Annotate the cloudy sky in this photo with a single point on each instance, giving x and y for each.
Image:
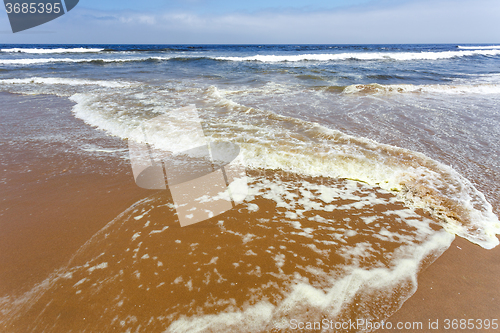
(268, 22)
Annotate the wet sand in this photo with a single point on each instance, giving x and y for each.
(51, 201)
(46, 223)
(464, 283)
(49, 213)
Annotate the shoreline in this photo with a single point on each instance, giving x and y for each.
(65, 217)
(463, 283)
(52, 201)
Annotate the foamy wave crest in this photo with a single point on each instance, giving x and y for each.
(271, 141)
(394, 56)
(375, 88)
(492, 47)
(41, 61)
(21, 62)
(418, 180)
(59, 50)
(399, 56)
(308, 148)
(69, 82)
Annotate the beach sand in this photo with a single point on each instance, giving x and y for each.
(52, 201)
(50, 212)
(464, 283)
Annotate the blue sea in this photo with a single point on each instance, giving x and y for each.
(363, 163)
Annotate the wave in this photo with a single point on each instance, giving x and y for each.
(41, 61)
(492, 47)
(89, 50)
(375, 88)
(70, 82)
(59, 50)
(402, 56)
(275, 142)
(37, 61)
(398, 56)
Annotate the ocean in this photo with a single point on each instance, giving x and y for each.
(361, 164)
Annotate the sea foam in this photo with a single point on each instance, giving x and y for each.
(449, 89)
(66, 81)
(56, 50)
(397, 56)
(271, 141)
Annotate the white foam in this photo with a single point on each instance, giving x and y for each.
(250, 253)
(80, 282)
(69, 82)
(420, 181)
(189, 285)
(158, 231)
(42, 61)
(377, 284)
(35, 61)
(103, 150)
(482, 47)
(144, 213)
(252, 207)
(271, 141)
(341, 287)
(253, 319)
(375, 88)
(213, 261)
(100, 266)
(369, 219)
(57, 50)
(398, 56)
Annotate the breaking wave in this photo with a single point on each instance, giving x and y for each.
(375, 88)
(492, 47)
(47, 51)
(398, 56)
(271, 141)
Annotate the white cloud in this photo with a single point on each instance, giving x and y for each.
(408, 22)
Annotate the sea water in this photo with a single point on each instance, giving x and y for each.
(363, 163)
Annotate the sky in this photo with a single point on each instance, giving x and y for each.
(267, 22)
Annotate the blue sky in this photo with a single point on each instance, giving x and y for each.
(217, 6)
(268, 21)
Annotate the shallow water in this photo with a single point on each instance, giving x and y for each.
(362, 164)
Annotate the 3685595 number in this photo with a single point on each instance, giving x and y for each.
(470, 324)
(33, 8)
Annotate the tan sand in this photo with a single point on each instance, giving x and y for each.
(69, 208)
(47, 221)
(48, 214)
(464, 283)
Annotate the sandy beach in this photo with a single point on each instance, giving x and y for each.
(59, 203)
(369, 197)
(52, 202)
(461, 284)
